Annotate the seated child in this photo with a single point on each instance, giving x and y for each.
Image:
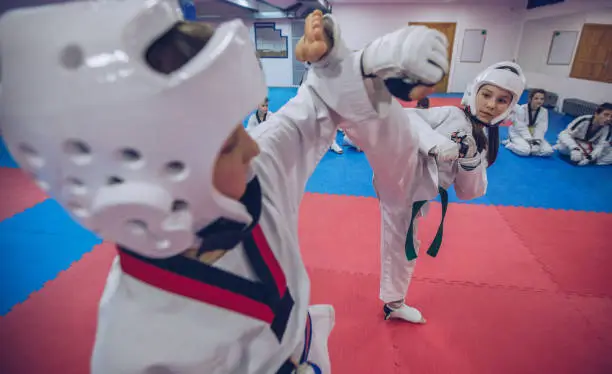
(261, 115)
(587, 138)
(530, 122)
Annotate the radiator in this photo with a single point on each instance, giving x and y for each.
(550, 100)
(577, 107)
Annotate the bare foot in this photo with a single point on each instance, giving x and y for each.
(314, 44)
(420, 92)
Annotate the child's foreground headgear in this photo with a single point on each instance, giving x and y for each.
(507, 75)
(127, 150)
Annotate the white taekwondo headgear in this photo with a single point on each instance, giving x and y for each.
(127, 150)
(501, 75)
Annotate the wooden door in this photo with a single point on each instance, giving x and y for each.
(593, 59)
(448, 29)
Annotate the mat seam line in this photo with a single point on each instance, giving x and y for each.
(565, 295)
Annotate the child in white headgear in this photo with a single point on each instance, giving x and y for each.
(456, 147)
(130, 118)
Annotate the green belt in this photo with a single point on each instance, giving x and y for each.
(437, 242)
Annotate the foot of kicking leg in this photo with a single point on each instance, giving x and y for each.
(315, 43)
(399, 310)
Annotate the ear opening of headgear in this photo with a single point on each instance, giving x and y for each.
(177, 46)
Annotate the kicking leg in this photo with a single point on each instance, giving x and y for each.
(315, 43)
(396, 270)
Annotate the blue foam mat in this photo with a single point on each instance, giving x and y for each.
(36, 245)
(6, 160)
(28, 260)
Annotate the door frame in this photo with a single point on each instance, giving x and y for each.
(451, 43)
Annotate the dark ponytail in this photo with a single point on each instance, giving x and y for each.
(493, 145)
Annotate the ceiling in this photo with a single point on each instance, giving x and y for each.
(221, 9)
(257, 9)
(510, 3)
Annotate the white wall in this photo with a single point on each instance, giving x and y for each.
(533, 54)
(362, 23)
(278, 71)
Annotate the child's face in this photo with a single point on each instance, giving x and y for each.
(537, 100)
(232, 165)
(491, 102)
(603, 118)
(263, 108)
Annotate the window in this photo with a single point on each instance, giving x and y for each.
(270, 41)
(593, 60)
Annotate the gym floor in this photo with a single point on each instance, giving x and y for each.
(521, 284)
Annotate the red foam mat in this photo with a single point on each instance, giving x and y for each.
(18, 191)
(53, 331)
(574, 247)
(494, 304)
(469, 253)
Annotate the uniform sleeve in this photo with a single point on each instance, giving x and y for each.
(292, 142)
(541, 125)
(602, 142)
(252, 123)
(470, 184)
(567, 136)
(426, 121)
(521, 121)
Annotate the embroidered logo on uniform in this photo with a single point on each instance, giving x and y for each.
(459, 137)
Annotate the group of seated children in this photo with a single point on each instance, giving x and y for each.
(586, 140)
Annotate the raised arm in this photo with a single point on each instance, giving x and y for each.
(427, 120)
(294, 140)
